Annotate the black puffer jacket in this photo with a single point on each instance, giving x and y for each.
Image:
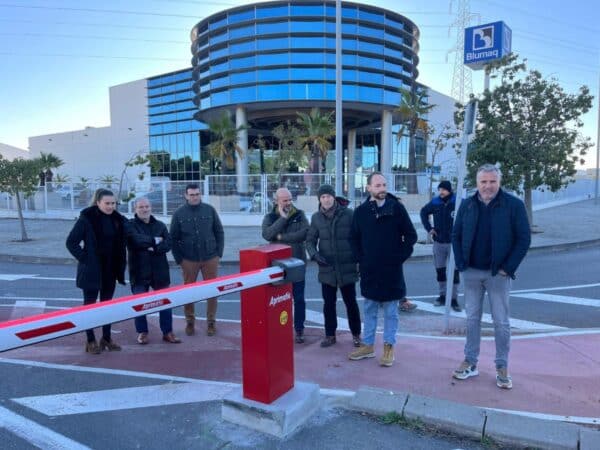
(382, 239)
(293, 230)
(148, 263)
(330, 237)
(86, 230)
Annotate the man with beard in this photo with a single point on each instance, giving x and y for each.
(382, 238)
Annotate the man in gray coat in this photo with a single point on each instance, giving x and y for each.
(198, 243)
(328, 244)
(287, 225)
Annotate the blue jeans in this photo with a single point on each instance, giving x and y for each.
(390, 321)
(165, 316)
(477, 283)
(299, 305)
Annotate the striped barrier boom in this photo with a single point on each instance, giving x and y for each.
(43, 327)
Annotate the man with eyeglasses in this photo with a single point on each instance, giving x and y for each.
(198, 242)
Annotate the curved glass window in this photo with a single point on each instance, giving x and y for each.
(370, 47)
(308, 42)
(205, 87)
(220, 67)
(169, 127)
(370, 16)
(271, 11)
(330, 59)
(273, 59)
(244, 94)
(307, 74)
(391, 97)
(216, 39)
(235, 33)
(242, 63)
(329, 91)
(242, 77)
(217, 83)
(272, 44)
(350, 92)
(349, 60)
(217, 23)
(205, 103)
(241, 47)
(349, 75)
(349, 28)
(241, 16)
(273, 75)
(273, 92)
(329, 10)
(307, 91)
(370, 94)
(393, 53)
(218, 53)
(219, 98)
(307, 27)
(392, 81)
(307, 10)
(394, 38)
(162, 118)
(391, 22)
(272, 28)
(374, 63)
(306, 58)
(350, 12)
(391, 67)
(370, 77)
(156, 129)
(349, 44)
(370, 31)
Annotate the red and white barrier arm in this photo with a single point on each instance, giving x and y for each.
(43, 327)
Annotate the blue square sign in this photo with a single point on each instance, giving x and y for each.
(486, 43)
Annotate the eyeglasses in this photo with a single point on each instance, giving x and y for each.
(193, 195)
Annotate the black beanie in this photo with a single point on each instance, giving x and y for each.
(325, 189)
(445, 185)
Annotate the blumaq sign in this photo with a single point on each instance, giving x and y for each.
(486, 43)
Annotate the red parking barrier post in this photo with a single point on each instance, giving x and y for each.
(267, 334)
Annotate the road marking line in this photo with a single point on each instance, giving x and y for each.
(26, 308)
(557, 288)
(15, 276)
(561, 299)
(124, 398)
(36, 434)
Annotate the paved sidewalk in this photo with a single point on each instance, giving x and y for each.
(563, 226)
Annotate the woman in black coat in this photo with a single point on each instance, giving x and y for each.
(101, 258)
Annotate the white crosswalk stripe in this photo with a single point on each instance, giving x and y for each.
(560, 299)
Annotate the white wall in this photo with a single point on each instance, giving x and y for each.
(440, 115)
(95, 152)
(9, 152)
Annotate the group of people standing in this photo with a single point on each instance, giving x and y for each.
(102, 237)
(489, 236)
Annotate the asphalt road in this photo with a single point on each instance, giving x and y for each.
(560, 289)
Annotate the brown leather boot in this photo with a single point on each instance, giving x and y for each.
(93, 348)
(211, 328)
(189, 329)
(111, 345)
(211, 316)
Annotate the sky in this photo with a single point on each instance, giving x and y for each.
(59, 57)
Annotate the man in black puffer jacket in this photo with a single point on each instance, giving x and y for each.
(382, 238)
(328, 243)
(149, 242)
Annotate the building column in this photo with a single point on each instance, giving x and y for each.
(386, 143)
(242, 161)
(351, 170)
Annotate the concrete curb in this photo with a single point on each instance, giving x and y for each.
(480, 423)
(419, 258)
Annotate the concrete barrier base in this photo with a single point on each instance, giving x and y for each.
(280, 418)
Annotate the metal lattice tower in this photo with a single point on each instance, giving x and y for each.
(462, 86)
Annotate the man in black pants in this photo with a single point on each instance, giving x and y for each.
(328, 243)
(442, 210)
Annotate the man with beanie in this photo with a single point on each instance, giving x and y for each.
(287, 225)
(382, 238)
(328, 244)
(442, 210)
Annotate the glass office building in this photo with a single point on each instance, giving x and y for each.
(264, 62)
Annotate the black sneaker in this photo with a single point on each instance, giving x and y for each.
(328, 341)
(440, 301)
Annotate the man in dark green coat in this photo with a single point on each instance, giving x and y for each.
(328, 243)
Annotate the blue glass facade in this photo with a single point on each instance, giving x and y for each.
(174, 133)
(286, 52)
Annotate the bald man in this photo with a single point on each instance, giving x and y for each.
(286, 224)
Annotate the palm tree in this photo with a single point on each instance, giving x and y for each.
(290, 150)
(225, 142)
(47, 162)
(412, 108)
(317, 130)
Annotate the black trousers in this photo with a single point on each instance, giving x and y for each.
(330, 312)
(90, 296)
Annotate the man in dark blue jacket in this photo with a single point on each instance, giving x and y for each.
(442, 210)
(382, 238)
(490, 238)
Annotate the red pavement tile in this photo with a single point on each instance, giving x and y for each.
(553, 375)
